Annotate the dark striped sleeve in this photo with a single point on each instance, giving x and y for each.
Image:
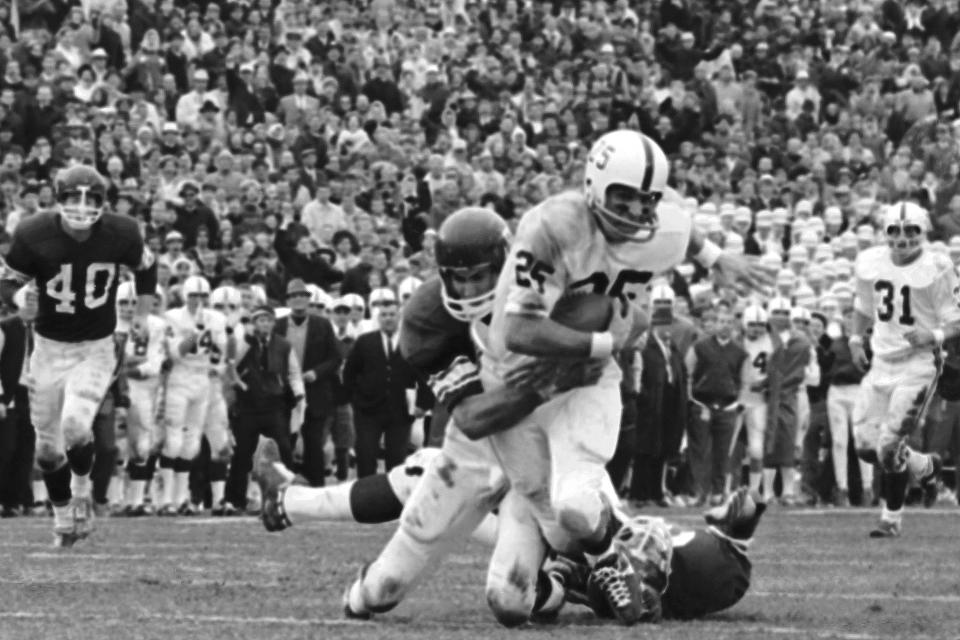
(458, 381)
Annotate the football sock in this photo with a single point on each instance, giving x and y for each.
(167, 476)
(137, 491)
(181, 487)
(81, 458)
(80, 485)
(341, 459)
(217, 489)
(550, 592)
(372, 499)
(39, 491)
(866, 474)
(920, 465)
(896, 489)
(58, 485)
(320, 503)
(769, 476)
(756, 480)
(788, 475)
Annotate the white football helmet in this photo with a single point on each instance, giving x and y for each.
(662, 295)
(382, 296)
(126, 300)
(905, 225)
(626, 158)
(196, 286)
(226, 300)
(779, 306)
(407, 287)
(754, 314)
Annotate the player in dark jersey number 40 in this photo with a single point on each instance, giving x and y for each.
(74, 256)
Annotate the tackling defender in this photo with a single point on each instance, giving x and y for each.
(707, 568)
(74, 254)
(909, 296)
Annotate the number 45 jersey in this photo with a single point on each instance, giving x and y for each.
(77, 281)
(900, 298)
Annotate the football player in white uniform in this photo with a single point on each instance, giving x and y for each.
(144, 353)
(611, 238)
(759, 346)
(908, 295)
(197, 340)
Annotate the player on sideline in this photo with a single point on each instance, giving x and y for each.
(909, 296)
(759, 346)
(144, 353)
(611, 238)
(74, 254)
(708, 567)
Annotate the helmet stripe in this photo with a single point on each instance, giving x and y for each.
(648, 159)
(903, 212)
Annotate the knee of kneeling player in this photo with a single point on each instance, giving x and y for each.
(75, 433)
(509, 603)
(49, 458)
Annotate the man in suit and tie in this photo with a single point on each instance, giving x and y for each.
(312, 340)
(661, 409)
(17, 436)
(376, 378)
(342, 432)
(298, 107)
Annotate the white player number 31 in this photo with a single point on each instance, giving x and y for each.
(97, 282)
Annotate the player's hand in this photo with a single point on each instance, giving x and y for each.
(859, 356)
(189, 343)
(746, 271)
(309, 376)
(580, 374)
(534, 373)
(920, 338)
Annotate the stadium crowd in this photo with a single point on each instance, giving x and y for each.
(303, 154)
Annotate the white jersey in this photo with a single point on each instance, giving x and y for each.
(755, 368)
(901, 298)
(559, 249)
(144, 353)
(207, 355)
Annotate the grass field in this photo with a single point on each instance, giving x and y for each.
(816, 575)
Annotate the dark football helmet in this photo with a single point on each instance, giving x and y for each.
(472, 245)
(81, 194)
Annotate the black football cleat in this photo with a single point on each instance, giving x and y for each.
(273, 478)
(739, 516)
(931, 482)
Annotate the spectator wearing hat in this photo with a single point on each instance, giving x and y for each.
(193, 214)
(172, 250)
(313, 342)
(802, 91)
(298, 108)
(661, 409)
(376, 378)
(714, 364)
(269, 384)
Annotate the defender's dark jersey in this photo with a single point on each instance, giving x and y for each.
(438, 346)
(707, 574)
(76, 281)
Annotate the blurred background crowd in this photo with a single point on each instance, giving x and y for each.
(296, 148)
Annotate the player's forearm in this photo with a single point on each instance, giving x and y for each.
(494, 411)
(145, 281)
(702, 249)
(541, 336)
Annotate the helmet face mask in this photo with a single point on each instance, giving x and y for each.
(628, 215)
(468, 292)
(471, 249)
(904, 226)
(81, 194)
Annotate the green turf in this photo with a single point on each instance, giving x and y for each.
(816, 575)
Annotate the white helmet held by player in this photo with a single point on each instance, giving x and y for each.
(126, 300)
(624, 179)
(905, 225)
